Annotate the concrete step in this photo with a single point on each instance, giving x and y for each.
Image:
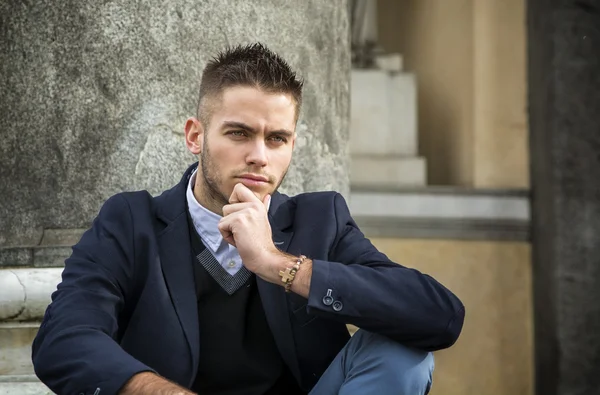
(15, 348)
(387, 172)
(22, 385)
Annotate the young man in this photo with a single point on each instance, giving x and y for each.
(221, 285)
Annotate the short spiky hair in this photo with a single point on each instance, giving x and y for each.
(252, 65)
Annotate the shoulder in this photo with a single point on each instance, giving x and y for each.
(125, 205)
(333, 199)
(322, 196)
(326, 205)
(127, 200)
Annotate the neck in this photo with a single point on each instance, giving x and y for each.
(207, 198)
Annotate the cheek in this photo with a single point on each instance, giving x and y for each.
(221, 158)
(281, 162)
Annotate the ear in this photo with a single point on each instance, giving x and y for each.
(194, 135)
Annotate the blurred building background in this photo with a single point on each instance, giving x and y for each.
(465, 135)
(440, 169)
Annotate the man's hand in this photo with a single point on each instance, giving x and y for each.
(245, 225)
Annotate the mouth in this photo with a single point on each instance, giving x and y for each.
(253, 180)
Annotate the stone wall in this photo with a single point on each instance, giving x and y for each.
(95, 95)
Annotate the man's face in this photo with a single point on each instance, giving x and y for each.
(250, 140)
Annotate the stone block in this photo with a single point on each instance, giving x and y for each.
(50, 256)
(61, 237)
(25, 293)
(403, 113)
(16, 257)
(389, 62)
(370, 113)
(383, 113)
(12, 295)
(384, 172)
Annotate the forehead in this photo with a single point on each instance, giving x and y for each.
(255, 107)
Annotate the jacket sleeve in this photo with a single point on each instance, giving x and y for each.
(359, 285)
(75, 351)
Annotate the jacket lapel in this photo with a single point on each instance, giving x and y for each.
(273, 296)
(176, 262)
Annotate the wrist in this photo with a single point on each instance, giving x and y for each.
(278, 262)
(301, 284)
(275, 261)
(289, 274)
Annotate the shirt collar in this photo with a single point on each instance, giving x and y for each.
(205, 221)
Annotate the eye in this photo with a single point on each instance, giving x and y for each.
(278, 139)
(237, 133)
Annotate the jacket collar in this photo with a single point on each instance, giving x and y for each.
(172, 202)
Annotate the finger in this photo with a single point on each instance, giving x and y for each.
(229, 209)
(224, 227)
(241, 194)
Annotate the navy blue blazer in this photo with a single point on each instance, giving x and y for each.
(127, 300)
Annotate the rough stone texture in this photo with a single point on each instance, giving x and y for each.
(50, 256)
(16, 257)
(25, 293)
(95, 95)
(564, 103)
(61, 237)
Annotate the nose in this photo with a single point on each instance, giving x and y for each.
(258, 154)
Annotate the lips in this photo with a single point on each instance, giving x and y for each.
(254, 178)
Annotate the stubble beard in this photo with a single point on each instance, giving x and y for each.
(212, 179)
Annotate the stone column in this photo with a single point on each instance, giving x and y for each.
(94, 99)
(95, 95)
(500, 158)
(564, 111)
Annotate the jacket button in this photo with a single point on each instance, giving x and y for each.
(337, 305)
(328, 299)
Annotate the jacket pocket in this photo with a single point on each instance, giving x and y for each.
(298, 308)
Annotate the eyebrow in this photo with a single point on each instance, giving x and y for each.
(248, 128)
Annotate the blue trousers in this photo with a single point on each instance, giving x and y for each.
(371, 364)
